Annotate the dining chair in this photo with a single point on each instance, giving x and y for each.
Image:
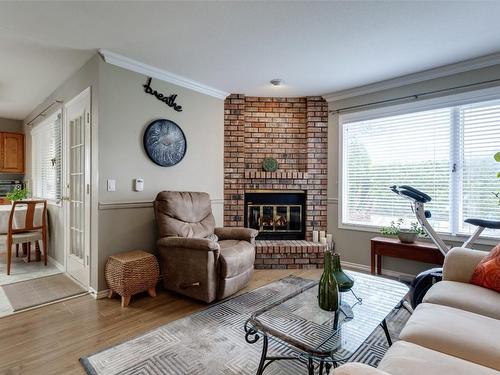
(29, 232)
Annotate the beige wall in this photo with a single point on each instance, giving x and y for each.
(125, 111)
(8, 125)
(87, 76)
(353, 245)
(120, 112)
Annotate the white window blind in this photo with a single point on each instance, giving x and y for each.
(46, 143)
(446, 152)
(480, 128)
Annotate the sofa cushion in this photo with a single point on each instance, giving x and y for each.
(405, 358)
(463, 296)
(236, 257)
(487, 272)
(455, 332)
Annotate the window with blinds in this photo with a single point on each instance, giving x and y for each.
(46, 141)
(446, 152)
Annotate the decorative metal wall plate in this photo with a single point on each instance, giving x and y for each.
(270, 164)
(164, 142)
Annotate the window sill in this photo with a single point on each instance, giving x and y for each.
(456, 239)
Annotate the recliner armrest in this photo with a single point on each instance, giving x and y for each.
(355, 368)
(242, 234)
(460, 262)
(188, 243)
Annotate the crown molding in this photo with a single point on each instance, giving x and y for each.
(442, 71)
(151, 71)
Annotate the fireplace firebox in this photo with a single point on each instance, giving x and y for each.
(277, 215)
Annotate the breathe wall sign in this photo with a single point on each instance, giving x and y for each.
(167, 99)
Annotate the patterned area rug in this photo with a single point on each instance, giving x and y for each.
(212, 341)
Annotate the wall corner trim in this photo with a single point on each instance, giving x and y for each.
(425, 75)
(151, 71)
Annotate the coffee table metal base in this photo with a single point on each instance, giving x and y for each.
(252, 336)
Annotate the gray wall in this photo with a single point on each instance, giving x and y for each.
(87, 76)
(120, 112)
(13, 126)
(125, 111)
(354, 245)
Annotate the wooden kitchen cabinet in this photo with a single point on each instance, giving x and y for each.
(11, 153)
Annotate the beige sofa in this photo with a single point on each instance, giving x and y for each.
(456, 330)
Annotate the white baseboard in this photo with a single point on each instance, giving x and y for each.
(104, 293)
(98, 295)
(54, 262)
(365, 268)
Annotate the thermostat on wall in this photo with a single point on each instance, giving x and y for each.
(138, 184)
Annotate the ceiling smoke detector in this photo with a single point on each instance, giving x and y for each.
(276, 82)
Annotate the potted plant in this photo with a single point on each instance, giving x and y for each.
(18, 194)
(405, 234)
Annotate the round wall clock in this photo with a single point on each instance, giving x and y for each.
(164, 142)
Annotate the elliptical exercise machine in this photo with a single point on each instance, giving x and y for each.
(421, 284)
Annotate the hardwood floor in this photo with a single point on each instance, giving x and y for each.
(51, 339)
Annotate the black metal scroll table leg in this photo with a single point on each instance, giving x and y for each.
(386, 331)
(263, 356)
(310, 366)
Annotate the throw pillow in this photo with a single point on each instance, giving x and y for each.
(487, 272)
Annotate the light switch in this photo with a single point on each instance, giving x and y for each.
(111, 185)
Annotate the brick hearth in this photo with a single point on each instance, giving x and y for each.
(295, 132)
(288, 254)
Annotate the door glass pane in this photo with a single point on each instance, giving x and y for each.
(77, 186)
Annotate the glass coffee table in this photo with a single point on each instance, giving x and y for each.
(319, 338)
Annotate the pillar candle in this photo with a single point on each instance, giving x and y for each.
(329, 238)
(315, 236)
(322, 234)
(322, 240)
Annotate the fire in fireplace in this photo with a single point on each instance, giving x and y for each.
(276, 214)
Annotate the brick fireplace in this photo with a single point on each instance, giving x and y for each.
(294, 132)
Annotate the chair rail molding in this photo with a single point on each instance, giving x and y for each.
(425, 75)
(161, 74)
(140, 204)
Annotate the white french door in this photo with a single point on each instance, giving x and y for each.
(77, 186)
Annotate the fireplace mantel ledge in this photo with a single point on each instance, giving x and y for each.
(296, 175)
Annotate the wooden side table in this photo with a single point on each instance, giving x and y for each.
(131, 273)
(392, 247)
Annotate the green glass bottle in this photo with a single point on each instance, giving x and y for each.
(328, 291)
(344, 281)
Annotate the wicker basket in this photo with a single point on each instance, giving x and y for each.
(131, 273)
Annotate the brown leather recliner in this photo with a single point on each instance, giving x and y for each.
(193, 262)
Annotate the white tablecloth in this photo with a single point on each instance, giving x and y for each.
(19, 216)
